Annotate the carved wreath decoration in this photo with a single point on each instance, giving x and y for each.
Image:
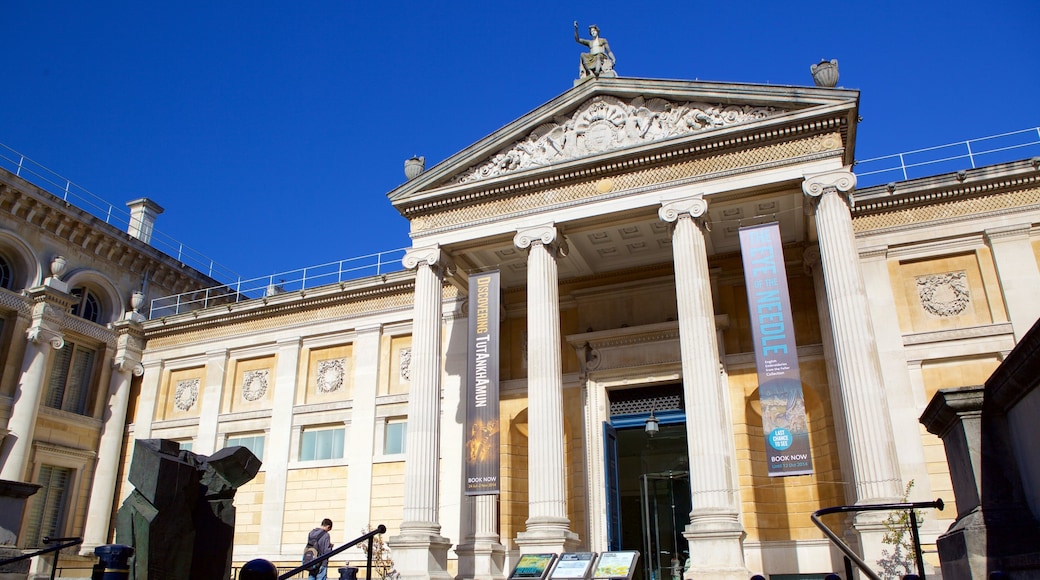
(331, 374)
(186, 394)
(254, 384)
(944, 295)
(406, 365)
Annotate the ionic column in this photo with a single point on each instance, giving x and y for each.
(715, 532)
(419, 551)
(855, 348)
(548, 528)
(1019, 277)
(126, 364)
(44, 334)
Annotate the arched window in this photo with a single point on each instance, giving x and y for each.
(87, 304)
(6, 273)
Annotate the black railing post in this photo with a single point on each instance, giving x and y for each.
(917, 543)
(368, 571)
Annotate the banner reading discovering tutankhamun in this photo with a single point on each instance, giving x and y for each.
(482, 452)
(776, 354)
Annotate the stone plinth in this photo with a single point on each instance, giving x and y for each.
(13, 495)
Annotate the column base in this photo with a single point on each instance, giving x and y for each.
(483, 559)
(716, 547)
(420, 553)
(547, 535)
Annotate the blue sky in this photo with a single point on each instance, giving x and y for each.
(272, 131)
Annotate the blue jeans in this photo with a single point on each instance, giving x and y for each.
(322, 573)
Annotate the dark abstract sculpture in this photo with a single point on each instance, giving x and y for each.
(180, 518)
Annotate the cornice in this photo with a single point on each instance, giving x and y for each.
(948, 187)
(75, 227)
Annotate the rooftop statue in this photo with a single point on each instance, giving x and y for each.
(599, 60)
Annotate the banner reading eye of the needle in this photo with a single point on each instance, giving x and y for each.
(776, 354)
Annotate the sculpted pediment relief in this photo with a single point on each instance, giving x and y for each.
(606, 123)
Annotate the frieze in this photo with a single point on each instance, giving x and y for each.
(944, 295)
(607, 123)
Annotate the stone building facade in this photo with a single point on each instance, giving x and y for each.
(612, 213)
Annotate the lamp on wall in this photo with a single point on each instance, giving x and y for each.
(652, 424)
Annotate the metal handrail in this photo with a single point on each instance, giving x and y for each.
(851, 555)
(962, 150)
(67, 543)
(63, 188)
(272, 284)
(381, 529)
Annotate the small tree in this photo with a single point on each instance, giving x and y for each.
(382, 563)
(902, 559)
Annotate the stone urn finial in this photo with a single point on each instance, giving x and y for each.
(58, 264)
(414, 166)
(136, 301)
(825, 73)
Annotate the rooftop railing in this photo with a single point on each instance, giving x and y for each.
(948, 158)
(55, 184)
(274, 284)
(900, 166)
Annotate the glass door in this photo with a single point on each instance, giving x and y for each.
(665, 498)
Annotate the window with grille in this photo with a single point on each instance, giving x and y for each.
(88, 306)
(254, 443)
(395, 434)
(48, 505)
(68, 386)
(318, 444)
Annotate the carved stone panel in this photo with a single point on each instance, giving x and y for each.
(944, 295)
(606, 123)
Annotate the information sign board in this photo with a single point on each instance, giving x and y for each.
(573, 565)
(532, 566)
(616, 565)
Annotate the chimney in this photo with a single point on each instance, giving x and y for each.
(143, 212)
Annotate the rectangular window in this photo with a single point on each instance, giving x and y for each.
(394, 436)
(254, 443)
(186, 445)
(318, 444)
(69, 383)
(48, 505)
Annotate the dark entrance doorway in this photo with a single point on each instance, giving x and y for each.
(648, 481)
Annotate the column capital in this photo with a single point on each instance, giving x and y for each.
(547, 235)
(429, 255)
(1012, 232)
(48, 315)
(838, 181)
(695, 207)
(544, 234)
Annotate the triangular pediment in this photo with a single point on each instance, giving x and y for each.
(608, 117)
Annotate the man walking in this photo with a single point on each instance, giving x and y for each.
(319, 539)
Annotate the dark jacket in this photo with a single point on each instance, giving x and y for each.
(319, 538)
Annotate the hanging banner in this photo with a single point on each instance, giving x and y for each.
(776, 354)
(482, 451)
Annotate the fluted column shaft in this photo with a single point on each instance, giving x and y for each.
(547, 494)
(421, 454)
(859, 368)
(708, 425)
